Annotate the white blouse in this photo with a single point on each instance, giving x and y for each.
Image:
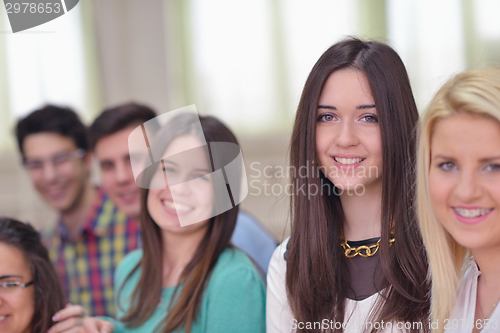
(462, 319)
(279, 316)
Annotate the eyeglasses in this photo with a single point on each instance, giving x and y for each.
(8, 287)
(58, 160)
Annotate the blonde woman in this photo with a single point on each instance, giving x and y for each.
(459, 202)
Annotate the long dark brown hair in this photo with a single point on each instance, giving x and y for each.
(317, 275)
(185, 303)
(48, 293)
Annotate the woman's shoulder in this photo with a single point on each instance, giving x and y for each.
(234, 300)
(232, 260)
(276, 273)
(234, 269)
(279, 314)
(235, 276)
(278, 259)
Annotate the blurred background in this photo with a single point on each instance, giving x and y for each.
(243, 61)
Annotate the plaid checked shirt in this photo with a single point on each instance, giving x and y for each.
(86, 264)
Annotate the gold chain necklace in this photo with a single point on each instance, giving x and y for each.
(363, 250)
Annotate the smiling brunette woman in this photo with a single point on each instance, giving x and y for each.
(187, 278)
(355, 260)
(30, 293)
(459, 201)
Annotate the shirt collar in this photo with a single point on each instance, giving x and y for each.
(473, 266)
(92, 224)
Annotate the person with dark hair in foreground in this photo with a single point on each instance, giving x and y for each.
(91, 235)
(355, 261)
(109, 139)
(30, 293)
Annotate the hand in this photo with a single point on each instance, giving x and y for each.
(69, 319)
(95, 325)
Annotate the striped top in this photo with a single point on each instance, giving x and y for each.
(86, 262)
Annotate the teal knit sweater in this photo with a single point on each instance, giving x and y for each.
(234, 300)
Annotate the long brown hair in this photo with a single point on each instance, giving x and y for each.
(317, 276)
(186, 300)
(48, 294)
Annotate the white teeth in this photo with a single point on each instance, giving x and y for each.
(347, 161)
(177, 206)
(2, 317)
(471, 213)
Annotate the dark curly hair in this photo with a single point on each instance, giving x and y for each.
(53, 119)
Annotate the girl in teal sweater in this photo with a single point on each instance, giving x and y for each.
(187, 277)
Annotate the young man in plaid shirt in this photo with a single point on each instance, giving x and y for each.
(92, 235)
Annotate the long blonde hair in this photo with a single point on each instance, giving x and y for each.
(474, 92)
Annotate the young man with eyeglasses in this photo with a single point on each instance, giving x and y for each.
(91, 235)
